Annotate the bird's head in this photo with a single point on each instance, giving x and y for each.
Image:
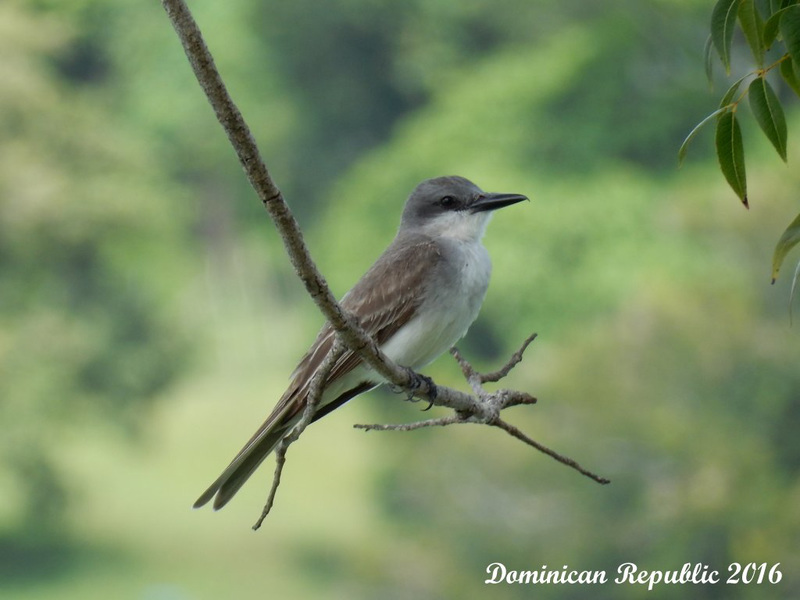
(452, 207)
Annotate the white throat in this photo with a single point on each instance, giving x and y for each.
(458, 225)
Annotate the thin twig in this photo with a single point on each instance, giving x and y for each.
(513, 431)
(498, 401)
(280, 461)
(440, 422)
(515, 398)
(466, 368)
(470, 374)
(515, 359)
(316, 388)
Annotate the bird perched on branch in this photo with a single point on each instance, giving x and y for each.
(416, 301)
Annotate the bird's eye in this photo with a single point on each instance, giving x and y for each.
(448, 202)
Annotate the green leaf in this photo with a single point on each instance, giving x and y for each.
(768, 7)
(775, 6)
(708, 59)
(723, 20)
(794, 287)
(779, 4)
(773, 24)
(790, 31)
(730, 152)
(771, 27)
(727, 99)
(789, 74)
(685, 145)
(789, 239)
(769, 114)
(752, 26)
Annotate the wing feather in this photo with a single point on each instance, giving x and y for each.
(383, 300)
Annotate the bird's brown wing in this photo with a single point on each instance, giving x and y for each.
(383, 300)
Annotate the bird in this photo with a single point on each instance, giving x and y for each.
(417, 300)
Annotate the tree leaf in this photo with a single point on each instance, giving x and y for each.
(764, 7)
(730, 152)
(727, 99)
(723, 20)
(768, 113)
(770, 31)
(794, 287)
(790, 31)
(789, 239)
(768, 7)
(789, 74)
(685, 145)
(752, 26)
(708, 59)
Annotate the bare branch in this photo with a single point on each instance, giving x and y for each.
(280, 461)
(514, 432)
(476, 379)
(515, 359)
(499, 400)
(440, 422)
(480, 407)
(314, 396)
(457, 419)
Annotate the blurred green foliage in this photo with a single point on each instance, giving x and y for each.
(130, 244)
(92, 239)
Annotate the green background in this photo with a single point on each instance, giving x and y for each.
(149, 318)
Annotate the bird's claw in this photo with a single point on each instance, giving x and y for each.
(418, 379)
(416, 382)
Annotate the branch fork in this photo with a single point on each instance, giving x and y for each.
(487, 408)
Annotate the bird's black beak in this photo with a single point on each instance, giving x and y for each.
(494, 201)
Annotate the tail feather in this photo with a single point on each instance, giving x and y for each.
(229, 482)
(263, 443)
(253, 454)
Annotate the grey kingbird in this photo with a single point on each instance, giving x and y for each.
(416, 301)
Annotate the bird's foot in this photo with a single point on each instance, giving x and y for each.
(417, 380)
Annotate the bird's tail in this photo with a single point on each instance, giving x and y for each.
(258, 447)
(285, 415)
(242, 467)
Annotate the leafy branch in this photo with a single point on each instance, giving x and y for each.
(769, 27)
(480, 407)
